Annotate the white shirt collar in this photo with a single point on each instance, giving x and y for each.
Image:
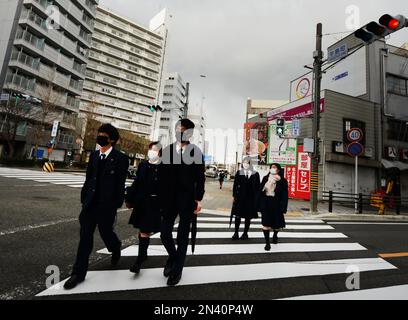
(107, 153)
(178, 148)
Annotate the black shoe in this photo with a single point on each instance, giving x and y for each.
(174, 279)
(115, 258)
(268, 247)
(138, 265)
(244, 236)
(167, 268)
(72, 282)
(235, 237)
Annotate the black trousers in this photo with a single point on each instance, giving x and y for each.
(177, 255)
(89, 219)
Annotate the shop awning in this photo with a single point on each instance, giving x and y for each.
(394, 164)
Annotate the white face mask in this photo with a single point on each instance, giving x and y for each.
(245, 166)
(274, 171)
(153, 155)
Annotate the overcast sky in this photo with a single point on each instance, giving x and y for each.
(248, 48)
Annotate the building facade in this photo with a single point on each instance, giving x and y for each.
(124, 72)
(43, 55)
(174, 104)
(368, 90)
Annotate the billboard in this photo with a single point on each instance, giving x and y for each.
(293, 111)
(348, 76)
(256, 141)
(282, 151)
(299, 176)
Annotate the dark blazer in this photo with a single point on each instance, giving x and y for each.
(137, 193)
(113, 180)
(186, 175)
(245, 205)
(281, 194)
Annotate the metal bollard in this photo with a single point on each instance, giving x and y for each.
(360, 203)
(331, 201)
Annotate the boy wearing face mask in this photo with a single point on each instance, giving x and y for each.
(147, 197)
(273, 203)
(101, 196)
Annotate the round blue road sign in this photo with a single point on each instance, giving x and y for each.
(355, 149)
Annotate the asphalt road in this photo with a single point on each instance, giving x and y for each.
(39, 228)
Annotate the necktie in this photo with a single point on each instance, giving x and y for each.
(103, 156)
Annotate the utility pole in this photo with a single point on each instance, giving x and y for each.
(317, 71)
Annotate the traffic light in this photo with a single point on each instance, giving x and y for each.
(155, 108)
(280, 127)
(375, 31)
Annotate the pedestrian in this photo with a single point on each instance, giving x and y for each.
(101, 196)
(273, 203)
(186, 166)
(245, 197)
(147, 197)
(221, 178)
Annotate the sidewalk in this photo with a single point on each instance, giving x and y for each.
(219, 202)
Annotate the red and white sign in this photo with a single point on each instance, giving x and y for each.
(355, 135)
(299, 176)
(293, 111)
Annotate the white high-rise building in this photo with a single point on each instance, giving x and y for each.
(174, 106)
(124, 71)
(197, 116)
(43, 54)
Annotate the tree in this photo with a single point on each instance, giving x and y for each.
(14, 113)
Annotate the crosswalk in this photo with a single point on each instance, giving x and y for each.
(312, 250)
(45, 178)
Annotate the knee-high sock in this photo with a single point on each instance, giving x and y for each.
(247, 225)
(275, 234)
(237, 224)
(143, 245)
(267, 235)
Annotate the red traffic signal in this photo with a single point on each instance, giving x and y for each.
(375, 31)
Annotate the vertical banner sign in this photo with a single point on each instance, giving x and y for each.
(299, 176)
(55, 129)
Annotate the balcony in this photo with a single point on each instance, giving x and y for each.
(19, 83)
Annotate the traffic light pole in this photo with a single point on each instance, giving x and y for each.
(317, 71)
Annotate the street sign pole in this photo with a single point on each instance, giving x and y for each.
(356, 186)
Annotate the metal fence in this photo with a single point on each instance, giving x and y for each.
(366, 202)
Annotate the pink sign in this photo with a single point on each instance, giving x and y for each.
(302, 111)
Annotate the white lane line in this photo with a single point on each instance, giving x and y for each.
(35, 226)
(75, 186)
(387, 293)
(221, 219)
(369, 223)
(66, 182)
(260, 235)
(257, 226)
(123, 280)
(226, 249)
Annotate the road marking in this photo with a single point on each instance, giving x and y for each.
(232, 249)
(260, 235)
(258, 226)
(222, 219)
(393, 255)
(388, 293)
(123, 280)
(369, 223)
(35, 226)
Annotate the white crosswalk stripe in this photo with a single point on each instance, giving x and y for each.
(320, 239)
(60, 179)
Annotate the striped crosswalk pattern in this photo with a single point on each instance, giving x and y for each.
(308, 249)
(60, 179)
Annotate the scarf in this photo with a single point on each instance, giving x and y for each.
(270, 185)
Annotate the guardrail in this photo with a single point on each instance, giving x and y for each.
(374, 200)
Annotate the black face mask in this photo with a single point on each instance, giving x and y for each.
(102, 141)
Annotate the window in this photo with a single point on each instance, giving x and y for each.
(397, 130)
(397, 85)
(351, 124)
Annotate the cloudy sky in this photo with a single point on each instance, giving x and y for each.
(248, 48)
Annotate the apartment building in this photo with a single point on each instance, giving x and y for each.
(124, 71)
(174, 100)
(44, 49)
